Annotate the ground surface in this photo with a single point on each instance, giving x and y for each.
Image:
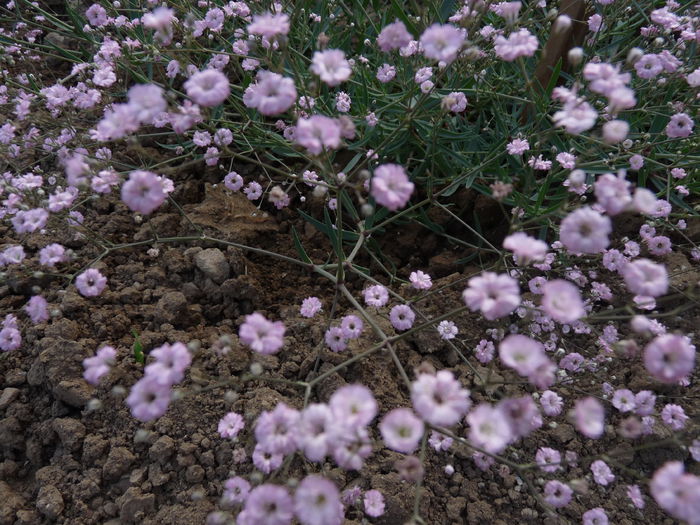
(66, 459)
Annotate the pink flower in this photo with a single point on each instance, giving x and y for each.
(420, 280)
(310, 306)
(393, 36)
(331, 66)
(551, 402)
(27, 221)
(644, 401)
(318, 133)
(271, 94)
(676, 492)
(440, 399)
(613, 193)
(391, 187)
(386, 73)
(99, 365)
(562, 301)
(522, 415)
(315, 431)
(376, 295)
(148, 399)
(548, 459)
(440, 441)
(263, 336)
(669, 358)
(518, 146)
(442, 42)
(96, 15)
(278, 197)
(104, 77)
(269, 25)
(52, 254)
(447, 330)
(37, 309)
(680, 126)
(335, 339)
(90, 283)
(354, 405)
(576, 116)
(521, 43)
(275, 431)
(317, 502)
(557, 494)
(659, 245)
(495, 295)
(146, 101)
(521, 353)
(525, 248)
(585, 231)
(615, 131)
(230, 425)
(171, 362)
(595, 516)
(12, 255)
(488, 428)
(635, 495)
(10, 338)
(589, 417)
(343, 102)
(644, 277)
(674, 416)
(269, 504)
(456, 102)
(208, 88)
(648, 66)
(351, 325)
(602, 473)
(373, 502)
(566, 160)
(402, 317)
(143, 192)
(253, 190)
(236, 490)
(624, 400)
(233, 181)
(401, 430)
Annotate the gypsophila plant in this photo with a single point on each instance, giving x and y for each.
(549, 149)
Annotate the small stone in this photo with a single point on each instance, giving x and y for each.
(11, 433)
(8, 396)
(171, 308)
(70, 431)
(118, 462)
(212, 262)
(16, 377)
(11, 503)
(49, 502)
(134, 505)
(73, 392)
(162, 449)
(194, 473)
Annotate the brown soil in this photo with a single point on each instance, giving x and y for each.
(72, 454)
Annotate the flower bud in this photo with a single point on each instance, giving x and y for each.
(561, 24)
(633, 55)
(575, 56)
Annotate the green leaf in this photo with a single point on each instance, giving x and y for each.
(399, 11)
(138, 348)
(553, 79)
(300, 249)
(447, 9)
(376, 217)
